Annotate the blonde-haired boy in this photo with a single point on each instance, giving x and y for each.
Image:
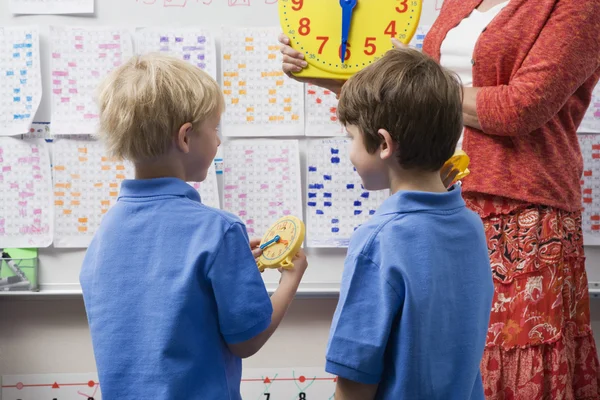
(172, 292)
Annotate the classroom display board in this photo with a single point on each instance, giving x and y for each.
(257, 384)
(283, 153)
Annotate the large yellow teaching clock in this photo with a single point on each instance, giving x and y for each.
(340, 37)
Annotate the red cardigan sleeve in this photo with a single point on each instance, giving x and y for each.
(564, 56)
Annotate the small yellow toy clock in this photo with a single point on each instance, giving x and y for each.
(281, 243)
(341, 37)
(460, 161)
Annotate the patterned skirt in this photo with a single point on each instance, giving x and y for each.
(540, 344)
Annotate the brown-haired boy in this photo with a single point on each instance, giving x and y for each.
(417, 289)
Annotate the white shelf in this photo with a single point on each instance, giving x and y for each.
(58, 292)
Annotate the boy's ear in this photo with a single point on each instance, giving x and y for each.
(182, 139)
(387, 148)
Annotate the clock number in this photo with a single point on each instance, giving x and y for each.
(370, 45)
(403, 6)
(325, 39)
(347, 53)
(297, 5)
(267, 396)
(304, 27)
(302, 396)
(391, 29)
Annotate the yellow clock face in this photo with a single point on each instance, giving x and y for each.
(287, 230)
(315, 29)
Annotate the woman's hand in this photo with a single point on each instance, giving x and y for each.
(293, 61)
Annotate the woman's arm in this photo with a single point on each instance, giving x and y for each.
(564, 56)
(470, 117)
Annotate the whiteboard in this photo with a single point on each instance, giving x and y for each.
(59, 268)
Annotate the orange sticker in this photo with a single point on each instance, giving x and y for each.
(226, 56)
(240, 66)
(82, 229)
(235, 101)
(67, 212)
(120, 167)
(75, 176)
(59, 194)
(83, 150)
(105, 202)
(249, 48)
(105, 167)
(114, 185)
(59, 203)
(76, 194)
(59, 167)
(120, 176)
(113, 194)
(249, 119)
(75, 203)
(98, 185)
(272, 91)
(82, 220)
(83, 159)
(242, 92)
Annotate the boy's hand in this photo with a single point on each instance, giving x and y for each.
(294, 275)
(255, 247)
(293, 61)
(448, 174)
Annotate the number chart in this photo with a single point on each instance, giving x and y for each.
(590, 182)
(257, 384)
(261, 100)
(80, 59)
(51, 387)
(86, 185)
(417, 40)
(261, 182)
(591, 120)
(321, 112)
(337, 203)
(25, 193)
(20, 79)
(194, 45)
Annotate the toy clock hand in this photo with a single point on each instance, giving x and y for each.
(276, 239)
(347, 8)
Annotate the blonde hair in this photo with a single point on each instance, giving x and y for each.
(147, 99)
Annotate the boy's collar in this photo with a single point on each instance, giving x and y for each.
(405, 201)
(158, 187)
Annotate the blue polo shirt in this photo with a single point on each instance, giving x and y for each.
(167, 283)
(415, 300)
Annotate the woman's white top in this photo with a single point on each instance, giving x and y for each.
(458, 46)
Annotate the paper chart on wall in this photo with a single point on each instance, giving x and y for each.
(260, 99)
(419, 37)
(209, 188)
(195, 45)
(337, 203)
(80, 59)
(52, 6)
(261, 182)
(26, 214)
(86, 185)
(51, 386)
(590, 149)
(321, 112)
(20, 79)
(591, 120)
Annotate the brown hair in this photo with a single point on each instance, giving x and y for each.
(147, 99)
(412, 97)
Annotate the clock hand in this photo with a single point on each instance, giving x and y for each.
(270, 242)
(347, 8)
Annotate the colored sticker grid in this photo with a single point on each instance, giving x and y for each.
(321, 112)
(26, 218)
(261, 182)
(590, 182)
(337, 203)
(209, 188)
(20, 79)
(197, 46)
(591, 120)
(260, 99)
(419, 37)
(86, 185)
(80, 59)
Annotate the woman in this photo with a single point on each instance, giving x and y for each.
(528, 70)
